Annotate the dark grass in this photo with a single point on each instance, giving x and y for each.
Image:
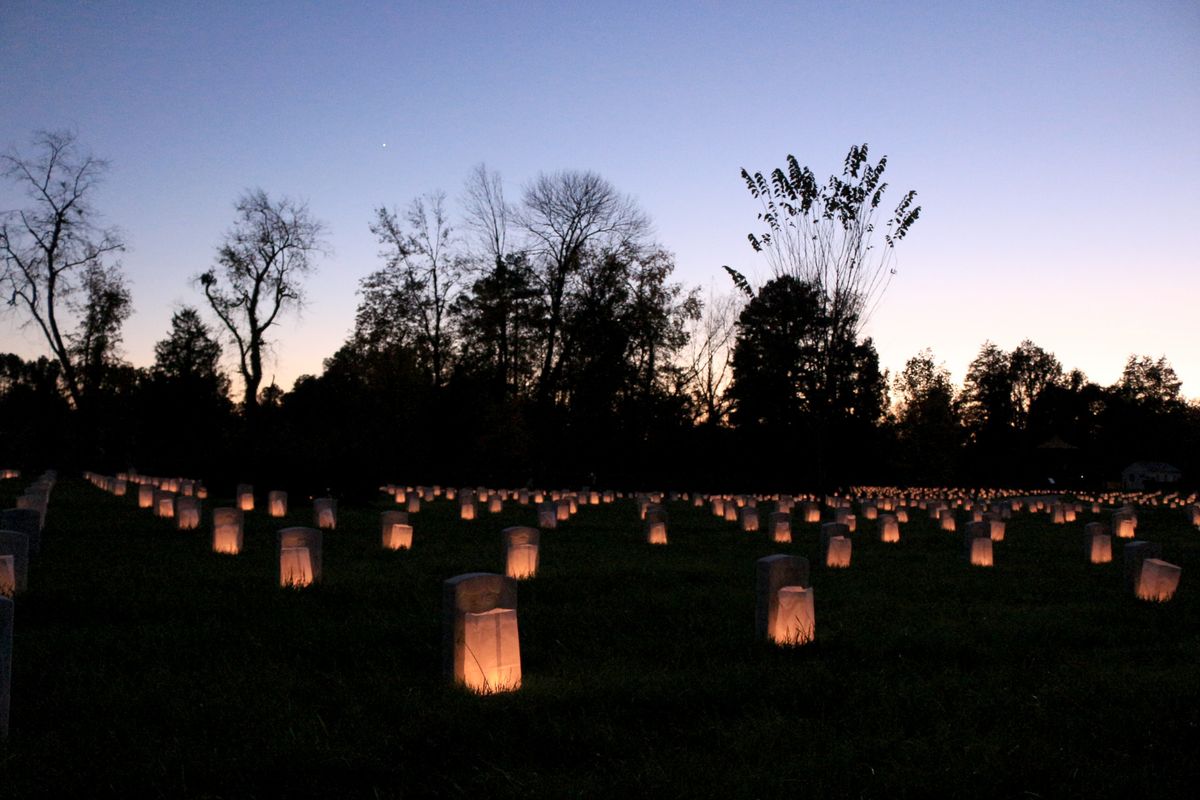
(146, 665)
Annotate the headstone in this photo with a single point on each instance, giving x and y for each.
(299, 552)
(187, 513)
(979, 552)
(780, 524)
(6, 651)
(547, 518)
(480, 643)
(325, 513)
(889, 528)
(521, 551)
(277, 503)
(1097, 543)
(244, 497)
(837, 551)
(35, 501)
(779, 616)
(23, 520)
(164, 504)
(830, 530)
(395, 532)
(1134, 554)
(466, 504)
(14, 548)
(1157, 580)
(227, 530)
(976, 530)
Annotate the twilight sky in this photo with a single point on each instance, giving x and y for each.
(1053, 146)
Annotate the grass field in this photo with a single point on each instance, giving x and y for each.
(144, 664)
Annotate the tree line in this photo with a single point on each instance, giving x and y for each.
(542, 339)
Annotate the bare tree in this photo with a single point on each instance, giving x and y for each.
(565, 214)
(419, 282)
(707, 362)
(487, 214)
(270, 248)
(52, 247)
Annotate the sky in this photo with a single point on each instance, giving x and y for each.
(1053, 146)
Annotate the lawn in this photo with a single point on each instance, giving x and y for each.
(145, 664)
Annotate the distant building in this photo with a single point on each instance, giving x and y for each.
(1149, 475)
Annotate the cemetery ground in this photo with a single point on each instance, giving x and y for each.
(145, 664)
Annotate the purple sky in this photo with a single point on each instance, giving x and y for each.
(1053, 146)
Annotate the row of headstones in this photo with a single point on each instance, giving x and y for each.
(1157, 582)
(299, 550)
(1144, 572)
(481, 647)
(553, 506)
(119, 484)
(836, 543)
(20, 540)
(186, 509)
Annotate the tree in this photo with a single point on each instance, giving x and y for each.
(564, 214)
(986, 401)
(1149, 382)
(54, 250)
(407, 302)
(823, 235)
(1033, 370)
(800, 384)
(498, 319)
(501, 293)
(95, 342)
(259, 273)
(927, 423)
(190, 356)
(707, 362)
(777, 355)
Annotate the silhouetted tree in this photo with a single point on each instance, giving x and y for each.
(564, 215)
(707, 364)
(259, 274)
(408, 301)
(54, 251)
(1149, 382)
(778, 356)
(499, 320)
(986, 400)
(35, 416)
(102, 312)
(190, 356)
(927, 425)
(501, 300)
(1032, 370)
(797, 384)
